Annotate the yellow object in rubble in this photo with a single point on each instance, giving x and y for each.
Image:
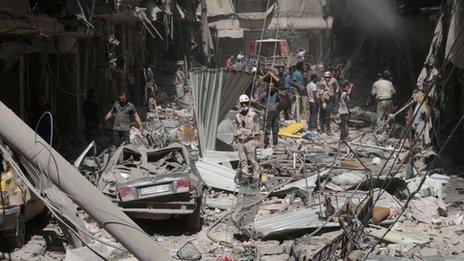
(7, 179)
(292, 130)
(264, 177)
(8, 185)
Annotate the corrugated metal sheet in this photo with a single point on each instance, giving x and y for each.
(215, 92)
(216, 176)
(291, 222)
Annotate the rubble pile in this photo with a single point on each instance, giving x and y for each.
(321, 187)
(373, 196)
(166, 126)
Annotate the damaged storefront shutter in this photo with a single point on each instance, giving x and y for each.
(215, 92)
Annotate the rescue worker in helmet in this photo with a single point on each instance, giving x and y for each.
(246, 139)
(327, 90)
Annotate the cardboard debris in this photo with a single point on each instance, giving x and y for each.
(396, 237)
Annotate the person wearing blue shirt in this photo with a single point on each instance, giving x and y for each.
(298, 83)
(288, 79)
(270, 99)
(297, 75)
(288, 95)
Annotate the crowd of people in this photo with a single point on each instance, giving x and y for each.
(300, 94)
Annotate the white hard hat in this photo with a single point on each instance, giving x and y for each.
(244, 98)
(327, 74)
(254, 69)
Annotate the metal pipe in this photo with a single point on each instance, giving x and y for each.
(26, 142)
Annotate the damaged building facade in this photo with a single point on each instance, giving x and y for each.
(236, 24)
(55, 53)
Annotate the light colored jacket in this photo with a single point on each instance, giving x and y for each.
(246, 128)
(383, 90)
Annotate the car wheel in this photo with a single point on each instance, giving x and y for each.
(194, 219)
(16, 238)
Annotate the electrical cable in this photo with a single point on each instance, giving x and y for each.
(409, 127)
(418, 188)
(50, 206)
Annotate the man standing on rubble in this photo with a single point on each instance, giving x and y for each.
(313, 99)
(328, 88)
(344, 110)
(246, 138)
(123, 112)
(383, 92)
(298, 83)
(289, 94)
(270, 99)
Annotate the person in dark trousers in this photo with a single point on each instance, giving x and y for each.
(325, 109)
(298, 81)
(344, 110)
(313, 99)
(123, 112)
(288, 95)
(270, 99)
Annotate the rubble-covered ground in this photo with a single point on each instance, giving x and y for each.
(311, 194)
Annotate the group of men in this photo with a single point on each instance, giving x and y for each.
(324, 98)
(320, 96)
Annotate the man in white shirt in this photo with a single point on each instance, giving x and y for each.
(313, 98)
(383, 92)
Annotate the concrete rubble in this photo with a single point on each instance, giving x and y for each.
(309, 189)
(387, 192)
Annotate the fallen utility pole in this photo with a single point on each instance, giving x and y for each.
(24, 141)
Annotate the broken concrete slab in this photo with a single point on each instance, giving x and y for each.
(89, 253)
(348, 179)
(216, 175)
(396, 237)
(270, 248)
(305, 184)
(433, 186)
(426, 209)
(223, 203)
(304, 219)
(189, 252)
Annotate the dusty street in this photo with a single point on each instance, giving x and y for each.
(231, 130)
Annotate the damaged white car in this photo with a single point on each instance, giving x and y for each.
(147, 183)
